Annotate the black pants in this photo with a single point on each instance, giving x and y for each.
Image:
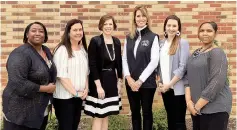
(68, 113)
(144, 97)
(175, 107)
(216, 121)
(11, 126)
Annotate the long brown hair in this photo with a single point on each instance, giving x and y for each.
(144, 11)
(175, 42)
(65, 40)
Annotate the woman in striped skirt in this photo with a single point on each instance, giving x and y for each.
(105, 79)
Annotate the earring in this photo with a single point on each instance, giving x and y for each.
(165, 34)
(178, 33)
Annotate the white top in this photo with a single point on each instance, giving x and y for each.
(153, 62)
(75, 68)
(165, 63)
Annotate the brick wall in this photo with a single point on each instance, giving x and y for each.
(15, 16)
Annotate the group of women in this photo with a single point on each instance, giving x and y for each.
(74, 73)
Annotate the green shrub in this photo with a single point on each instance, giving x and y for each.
(160, 119)
(119, 122)
(52, 123)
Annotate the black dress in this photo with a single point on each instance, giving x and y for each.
(111, 104)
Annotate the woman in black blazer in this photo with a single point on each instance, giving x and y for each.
(105, 79)
(31, 77)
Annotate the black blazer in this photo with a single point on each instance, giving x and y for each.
(23, 104)
(96, 58)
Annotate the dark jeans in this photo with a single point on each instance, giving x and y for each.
(11, 126)
(216, 121)
(175, 107)
(68, 113)
(144, 97)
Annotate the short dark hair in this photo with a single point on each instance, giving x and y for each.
(105, 18)
(65, 40)
(25, 39)
(213, 24)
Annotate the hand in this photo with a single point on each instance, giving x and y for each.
(138, 84)
(101, 92)
(159, 87)
(84, 93)
(119, 86)
(50, 88)
(131, 83)
(165, 88)
(190, 106)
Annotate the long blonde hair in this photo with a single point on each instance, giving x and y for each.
(144, 11)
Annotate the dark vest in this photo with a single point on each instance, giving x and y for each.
(137, 65)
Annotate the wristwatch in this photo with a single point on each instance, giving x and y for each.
(198, 111)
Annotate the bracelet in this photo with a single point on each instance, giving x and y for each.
(198, 111)
(76, 96)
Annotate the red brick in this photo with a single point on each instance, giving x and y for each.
(50, 2)
(65, 6)
(203, 13)
(192, 5)
(99, 6)
(94, 2)
(48, 10)
(174, 2)
(198, 17)
(221, 17)
(129, 2)
(18, 21)
(18, 29)
(94, 17)
(192, 36)
(231, 32)
(77, 6)
(215, 5)
(83, 10)
(36, 10)
(230, 24)
(3, 17)
(186, 9)
(210, 17)
(6, 45)
(158, 13)
(83, 17)
(128, 10)
(123, 6)
(3, 9)
(71, 2)
(175, 9)
(77, 14)
(11, 2)
(94, 10)
(23, 6)
(65, 14)
(226, 28)
(215, 13)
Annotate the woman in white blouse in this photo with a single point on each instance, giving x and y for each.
(174, 53)
(71, 60)
(140, 60)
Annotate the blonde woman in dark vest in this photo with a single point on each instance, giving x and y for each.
(140, 59)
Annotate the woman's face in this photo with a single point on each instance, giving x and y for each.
(140, 19)
(171, 27)
(36, 34)
(76, 32)
(108, 27)
(206, 33)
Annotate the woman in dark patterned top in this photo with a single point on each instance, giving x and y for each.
(31, 76)
(208, 96)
